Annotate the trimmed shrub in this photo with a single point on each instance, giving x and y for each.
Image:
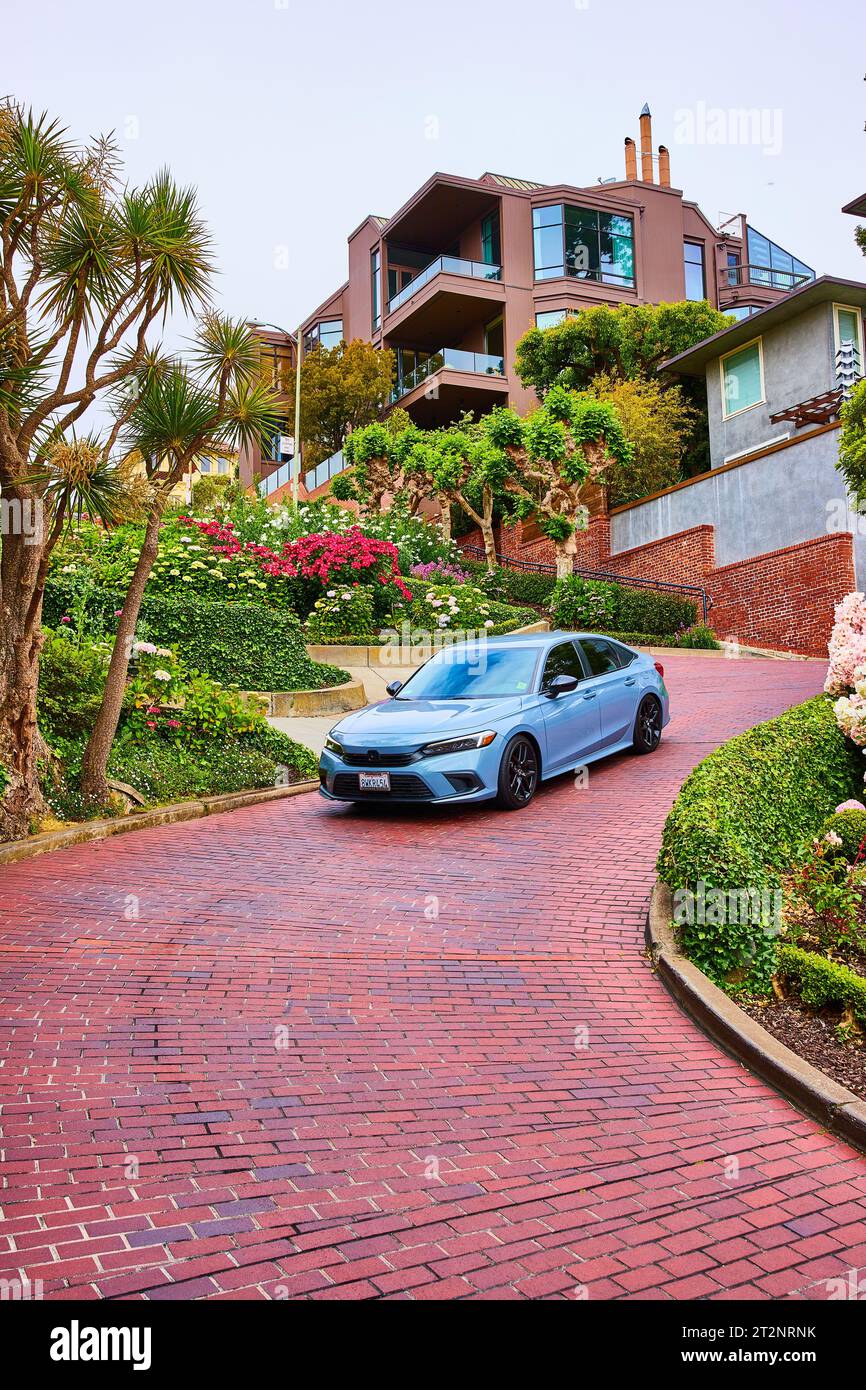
(850, 826)
(820, 982)
(739, 821)
(244, 644)
(518, 587)
(578, 603)
(347, 608)
(71, 681)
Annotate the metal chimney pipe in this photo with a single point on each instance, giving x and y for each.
(664, 166)
(630, 158)
(646, 145)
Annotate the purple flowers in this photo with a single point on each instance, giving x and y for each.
(436, 571)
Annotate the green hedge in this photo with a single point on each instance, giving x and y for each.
(518, 587)
(739, 821)
(578, 603)
(820, 981)
(244, 644)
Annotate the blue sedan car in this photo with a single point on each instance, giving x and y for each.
(491, 720)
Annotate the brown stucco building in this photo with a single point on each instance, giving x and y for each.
(457, 275)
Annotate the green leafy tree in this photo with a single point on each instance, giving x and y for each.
(342, 389)
(377, 456)
(553, 453)
(657, 422)
(465, 468)
(852, 445)
(630, 340)
(88, 266)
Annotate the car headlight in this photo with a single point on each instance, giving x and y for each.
(466, 744)
(333, 746)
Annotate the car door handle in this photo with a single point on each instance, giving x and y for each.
(591, 695)
(632, 680)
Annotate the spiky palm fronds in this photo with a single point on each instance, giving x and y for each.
(75, 477)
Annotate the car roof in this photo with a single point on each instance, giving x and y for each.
(541, 639)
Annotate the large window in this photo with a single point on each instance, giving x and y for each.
(328, 334)
(491, 242)
(696, 280)
(742, 379)
(848, 325)
(583, 243)
(770, 264)
(549, 318)
(375, 268)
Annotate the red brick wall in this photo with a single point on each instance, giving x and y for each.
(783, 599)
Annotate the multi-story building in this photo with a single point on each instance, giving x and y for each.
(454, 279)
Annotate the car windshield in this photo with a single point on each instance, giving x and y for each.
(472, 673)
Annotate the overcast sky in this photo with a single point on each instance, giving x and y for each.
(296, 118)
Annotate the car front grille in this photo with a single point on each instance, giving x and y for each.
(381, 758)
(408, 787)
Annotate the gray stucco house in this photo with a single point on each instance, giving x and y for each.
(775, 383)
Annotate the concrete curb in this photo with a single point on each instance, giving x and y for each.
(309, 704)
(837, 1108)
(88, 831)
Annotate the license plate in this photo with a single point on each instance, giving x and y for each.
(374, 781)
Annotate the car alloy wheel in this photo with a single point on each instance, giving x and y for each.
(518, 774)
(648, 726)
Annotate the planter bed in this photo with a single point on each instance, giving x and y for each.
(813, 1037)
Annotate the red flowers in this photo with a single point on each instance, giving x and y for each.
(327, 557)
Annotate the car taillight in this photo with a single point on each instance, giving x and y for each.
(660, 669)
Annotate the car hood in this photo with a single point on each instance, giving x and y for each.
(394, 723)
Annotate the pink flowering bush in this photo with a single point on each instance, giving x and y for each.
(301, 572)
(847, 645)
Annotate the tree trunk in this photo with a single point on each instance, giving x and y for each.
(487, 529)
(565, 553)
(21, 800)
(94, 766)
(445, 519)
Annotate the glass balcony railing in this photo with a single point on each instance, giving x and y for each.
(480, 363)
(444, 265)
(315, 477)
(276, 480)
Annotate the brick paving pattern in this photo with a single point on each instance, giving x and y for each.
(309, 1051)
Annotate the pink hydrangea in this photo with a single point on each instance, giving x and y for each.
(847, 645)
(851, 805)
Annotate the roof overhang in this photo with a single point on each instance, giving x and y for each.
(858, 207)
(435, 216)
(826, 290)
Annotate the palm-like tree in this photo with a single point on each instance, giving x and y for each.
(211, 403)
(88, 269)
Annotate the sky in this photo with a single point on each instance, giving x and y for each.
(297, 118)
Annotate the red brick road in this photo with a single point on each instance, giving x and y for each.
(305, 1050)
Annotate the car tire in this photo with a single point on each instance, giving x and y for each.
(647, 725)
(519, 772)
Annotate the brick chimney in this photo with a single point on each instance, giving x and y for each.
(646, 145)
(630, 158)
(664, 166)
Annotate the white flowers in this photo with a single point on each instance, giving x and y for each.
(144, 649)
(831, 838)
(161, 675)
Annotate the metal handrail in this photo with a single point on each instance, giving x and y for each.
(537, 567)
(760, 276)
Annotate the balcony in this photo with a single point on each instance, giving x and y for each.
(442, 385)
(761, 277)
(444, 265)
(457, 359)
(450, 293)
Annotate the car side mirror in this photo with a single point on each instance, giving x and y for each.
(393, 688)
(561, 685)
